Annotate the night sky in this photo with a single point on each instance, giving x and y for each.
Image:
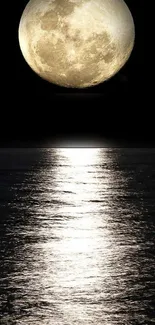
(117, 110)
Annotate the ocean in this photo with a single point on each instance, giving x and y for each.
(77, 236)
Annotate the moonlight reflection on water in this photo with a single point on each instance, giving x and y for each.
(83, 247)
(75, 241)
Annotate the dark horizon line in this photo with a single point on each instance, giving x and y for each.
(77, 144)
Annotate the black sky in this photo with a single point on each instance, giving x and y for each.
(115, 110)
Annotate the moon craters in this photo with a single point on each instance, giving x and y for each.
(76, 43)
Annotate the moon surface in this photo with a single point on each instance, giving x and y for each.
(76, 43)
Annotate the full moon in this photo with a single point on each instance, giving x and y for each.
(76, 43)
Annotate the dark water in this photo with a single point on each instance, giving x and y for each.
(77, 236)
